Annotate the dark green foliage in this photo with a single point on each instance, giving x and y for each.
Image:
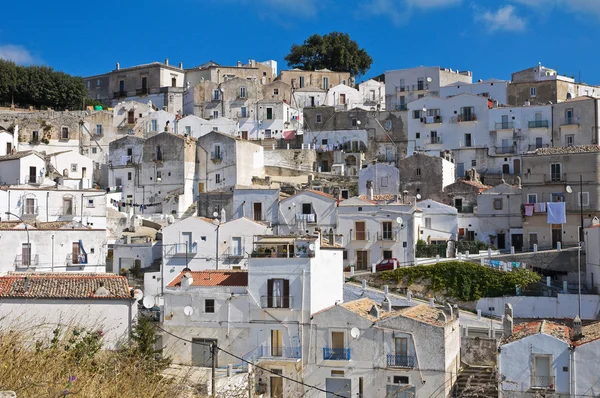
(144, 347)
(463, 280)
(334, 51)
(40, 87)
(472, 246)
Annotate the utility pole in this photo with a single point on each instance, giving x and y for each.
(580, 244)
(213, 349)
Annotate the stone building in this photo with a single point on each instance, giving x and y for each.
(425, 175)
(576, 122)
(323, 79)
(264, 72)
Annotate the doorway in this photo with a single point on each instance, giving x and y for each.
(201, 352)
(276, 384)
(341, 387)
(257, 214)
(505, 169)
(517, 166)
(244, 135)
(556, 234)
(533, 240)
(517, 242)
(501, 241)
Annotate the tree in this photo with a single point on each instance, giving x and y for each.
(334, 51)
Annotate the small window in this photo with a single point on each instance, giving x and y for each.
(90, 203)
(586, 199)
(417, 135)
(64, 133)
(216, 94)
(532, 198)
(345, 255)
(354, 123)
(94, 150)
(474, 163)
(74, 167)
(498, 204)
(209, 306)
(269, 113)
(98, 129)
(569, 140)
(215, 114)
(154, 124)
(98, 83)
(319, 118)
(217, 178)
(428, 222)
(275, 91)
(129, 176)
(418, 171)
(384, 181)
(388, 124)
(243, 92)
(532, 92)
(158, 175)
(416, 114)
(401, 380)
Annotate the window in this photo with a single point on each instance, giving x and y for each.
(216, 94)
(360, 232)
(26, 254)
(342, 100)
(268, 133)
(418, 171)
(68, 206)
(130, 117)
(541, 372)
(555, 172)
(467, 114)
(30, 206)
(417, 135)
(159, 156)
(269, 113)
(345, 255)
(301, 81)
(188, 130)
(388, 124)
(532, 198)
(420, 83)
(435, 139)
(569, 116)
(217, 178)
(74, 167)
(158, 175)
(538, 142)
(460, 169)
(474, 163)
(384, 181)
(278, 291)
(557, 197)
(387, 233)
(209, 306)
(275, 91)
(319, 118)
(354, 123)
(35, 136)
(532, 92)
(416, 114)
(428, 222)
(90, 203)
(94, 150)
(498, 204)
(569, 140)
(387, 254)
(401, 380)
(98, 129)
(276, 343)
(372, 95)
(154, 125)
(243, 93)
(243, 111)
(325, 83)
(468, 140)
(129, 176)
(402, 85)
(215, 114)
(64, 133)
(586, 199)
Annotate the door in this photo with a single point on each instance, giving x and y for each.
(144, 84)
(201, 352)
(504, 121)
(75, 253)
(505, 169)
(501, 241)
(121, 86)
(244, 135)
(26, 254)
(236, 246)
(401, 351)
(538, 142)
(468, 140)
(360, 233)
(339, 387)
(342, 99)
(276, 343)
(533, 240)
(541, 371)
(324, 166)
(338, 345)
(8, 148)
(32, 174)
(362, 259)
(186, 242)
(257, 214)
(517, 242)
(276, 384)
(83, 172)
(556, 234)
(517, 166)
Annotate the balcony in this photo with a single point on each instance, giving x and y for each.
(465, 209)
(216, 156)
(401, 107)
(142, 91)
(75, 260)
(542, 382)
(420, 87)
(119, 94)
(505, 125)
(505, 149)
(401, 89)
(34, 180)
(266, 351)
(181, 250)
(431, 119)
(467, 117)
(570, 121)
(435, 140)
(276, 301)
(336, 354)
(310, 218)
(387, 235)
(534, 147)
(538, 124)
(20, 264)
(555, 177)
(400, 361)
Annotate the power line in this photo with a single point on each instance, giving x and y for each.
(251, 363)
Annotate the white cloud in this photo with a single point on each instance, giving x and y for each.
(575, 6)
(504, 18)
(400, 11)
(15, 53)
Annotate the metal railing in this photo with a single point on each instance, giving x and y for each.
(29, 211)
(431, 119)
(387, 235)
(276, 301)
(505, 149)
(465, 209)
(542, 382)
(420, 87)
(180, 250)
(76, 260)
(401, 89)
(142, 91)
(467, 117)
(538, 124)
(400, 361)
(33, 180)
(570, 120)
(266, 351)
(555, 177)
(309, 218)
(505, 125)
(216, 156)
(436, 140)
(33, 261)
(401, 107)
(336, 354)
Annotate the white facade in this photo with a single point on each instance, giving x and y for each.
(308, 97)
(126, 115)
(258, 203)
(198, 127)
(7, 143)
(438, 221)
(373, 94)
(22, 168)
(336, 137)
(276, 119)
(385, 179)
(517, 130)
(76, 170)
(500, 217)
(304, 212)
(493, 89)
(343, 97)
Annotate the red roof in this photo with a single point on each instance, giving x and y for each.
(482, 187)
(213, 278)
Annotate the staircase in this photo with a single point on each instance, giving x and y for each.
(476, 382)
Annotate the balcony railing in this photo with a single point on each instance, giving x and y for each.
(538, 124)
(401, 89)
(505, 125)
(76, 260)
(387, 235)
(34, 180)
(120, 94)
(142, 91)
(336, 354)
(570, 120)
(555, 177)
(32, 263)
(505, 149)
(431, 119)
(400, 361)
(281, 254)
(534, 147)
(420, 87)
(266, 351)
(401, 107)
(180, 250)
(465, 209)
(276, 301)
(436, 140)
(216, 156)
(542, 382)
(310, 218)
(468, 117)
(29, 211)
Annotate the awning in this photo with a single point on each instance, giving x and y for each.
(289, 134)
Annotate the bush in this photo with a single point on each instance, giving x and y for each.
(463, 280)
(472, 246)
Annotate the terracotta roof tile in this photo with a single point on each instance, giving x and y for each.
(559, 150)
(526, 329)
(213, 278)
(477, 184)
(422, 313)
(19, 155)
(59, 285)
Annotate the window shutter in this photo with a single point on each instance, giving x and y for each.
(286, 293)
(269, 293)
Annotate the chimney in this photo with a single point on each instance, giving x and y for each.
(442, 317)
(239, 64)
(166, 61)
(374, 311)
(577, 328)
(370, 193)
(268, 180)
(431, 302)
(507, 322)
(187, 280)
(518, 182)
(101, 291)
(386, 305)
(118, 66)
(223, 216)
(181, 65)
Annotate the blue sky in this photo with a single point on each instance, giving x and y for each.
(491, 38)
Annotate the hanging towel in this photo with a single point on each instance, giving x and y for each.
(536, 207)
(556, 213)
(543, 207)
(529, 209)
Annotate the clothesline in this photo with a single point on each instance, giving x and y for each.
(142, 206)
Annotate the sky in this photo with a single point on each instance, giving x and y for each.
(489, 37)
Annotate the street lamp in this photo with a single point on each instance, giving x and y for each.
(8, 213)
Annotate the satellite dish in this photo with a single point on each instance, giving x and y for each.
(188, 310)
(569, 189)
(354, 332)
(358, 122)
(418, 196)
(429, 80)
(215, 214)
(148, 302)
(399, 220)
(311, 246)
(138, 294)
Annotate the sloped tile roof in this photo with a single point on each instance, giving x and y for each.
(19, 155)
(59, 285)
(213, 278)
(526, 329)
(422, 313)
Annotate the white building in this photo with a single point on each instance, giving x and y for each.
(373, 94)
(76, 170)
(343, 97)
(38, 303)
(493, 89)
(276, 119)
(439, 222)
(27, 167)
(155, 122)
(8, 142)
(256, 202)
(126, 115)
(306, 211)
(385, 179)
(374, 232)
(500, 217)
(125, 158)
(405, 85)
(197, 127)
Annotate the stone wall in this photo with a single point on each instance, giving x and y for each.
(294, 159)
(477, 351)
